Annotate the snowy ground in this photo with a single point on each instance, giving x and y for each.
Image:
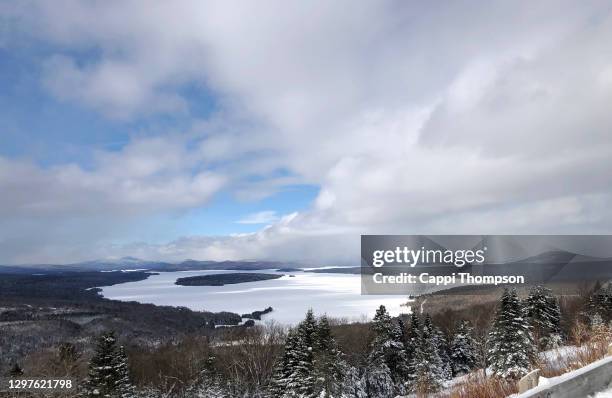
(558, 358)
(604, 394)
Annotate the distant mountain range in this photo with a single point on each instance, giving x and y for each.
(549, 265)
(132, 263)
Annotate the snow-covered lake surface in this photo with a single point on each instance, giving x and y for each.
(337, 295)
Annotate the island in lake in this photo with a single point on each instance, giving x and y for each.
(224, 279)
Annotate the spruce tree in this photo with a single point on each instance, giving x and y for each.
(304, 382)
(284, 367)
(108, 374)
(353, 385)
(511, 348)
(413, 338)
(600, 302)
(330, 367)
(298, 380)
(388, 346)
(544, 317)
(439, 341)
(379, 383)
(294, 375)
(463, 350)
(427, 364)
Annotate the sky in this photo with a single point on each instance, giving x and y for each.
(283, 130)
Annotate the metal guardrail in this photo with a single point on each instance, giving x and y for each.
(579, 383)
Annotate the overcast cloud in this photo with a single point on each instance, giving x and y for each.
(411, 117)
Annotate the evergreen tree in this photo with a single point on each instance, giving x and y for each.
(600, 302)
(511, 349)
(294, 375)
(108, 374)
(379, 383)
(463, 350)
(544, 317)
(441, 343)
(330, 366)
(427, 364)
(353, 386)
(303, 381)
(412, 341)
(388, 346)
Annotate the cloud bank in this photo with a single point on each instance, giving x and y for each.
(463, 117)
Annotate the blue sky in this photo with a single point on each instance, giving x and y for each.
(64, 132)
(197, 129)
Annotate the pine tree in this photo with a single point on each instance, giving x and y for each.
(312, 365)
(379, 383)
(427, 364)
(441, 343)
(303, 381)
(124, 386)
(600, 302)
(463, 350)
(544, 317)
(511, 348)
(330, 366)
(388, 346)
(297, 370)
(294, 374)
(353, 386)
(108, 374)
(412, 341)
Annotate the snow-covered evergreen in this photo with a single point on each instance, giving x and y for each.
(379, 383)
(600, 302)
(463, 350)
(388, 347)
(440, 342)
(412, 341)
(510, 343)
(312, 365)
(429, 372)
(108, 374)
(353, 385)
(544, 317)
(330, 367)
(294, 374)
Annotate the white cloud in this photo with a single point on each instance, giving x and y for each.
(147, 175)
(411, 117)
(261, 217)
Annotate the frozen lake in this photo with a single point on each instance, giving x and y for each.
(337, 295)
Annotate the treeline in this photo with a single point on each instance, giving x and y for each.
(39, 312)
(320, 358)
(68, 285)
